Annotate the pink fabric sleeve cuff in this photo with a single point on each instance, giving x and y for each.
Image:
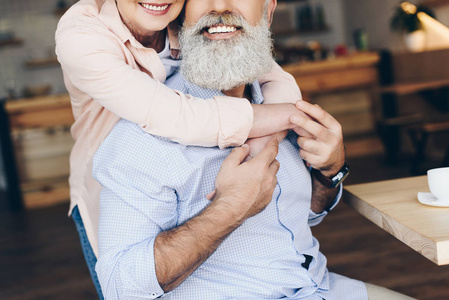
(236, 121)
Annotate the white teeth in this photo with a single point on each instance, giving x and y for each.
(154, 7)
(221, 29)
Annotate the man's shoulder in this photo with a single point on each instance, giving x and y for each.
(131, 135)
(130, 157)
(128, 144)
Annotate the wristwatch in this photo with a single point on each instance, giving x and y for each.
(333, 181)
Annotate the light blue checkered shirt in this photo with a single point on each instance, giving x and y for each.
(151, 184)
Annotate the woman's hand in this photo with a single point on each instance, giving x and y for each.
(273, 118)
(323, 148)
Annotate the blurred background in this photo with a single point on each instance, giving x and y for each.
(380, 67)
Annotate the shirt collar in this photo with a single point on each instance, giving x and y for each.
(256, 93)
(172, 31)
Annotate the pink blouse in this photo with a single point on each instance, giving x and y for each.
(110, 75)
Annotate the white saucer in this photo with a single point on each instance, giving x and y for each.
(429, 199)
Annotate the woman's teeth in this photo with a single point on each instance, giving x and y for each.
(221, 29)
(154, 7)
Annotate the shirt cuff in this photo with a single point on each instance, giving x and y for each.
(236, 120)
(141, 271)
(316, 218)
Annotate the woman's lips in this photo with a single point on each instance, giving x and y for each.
(156, 9)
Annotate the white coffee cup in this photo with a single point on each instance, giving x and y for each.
(439, 183)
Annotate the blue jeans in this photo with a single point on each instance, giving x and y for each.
(89, 255)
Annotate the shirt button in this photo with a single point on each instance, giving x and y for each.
(281, 208)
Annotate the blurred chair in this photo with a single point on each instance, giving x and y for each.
(420, 135)
(14, 193)
(22, 115)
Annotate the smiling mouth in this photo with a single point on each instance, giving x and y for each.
(221, 29)
(154, 7)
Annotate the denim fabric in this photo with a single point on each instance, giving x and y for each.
(89, 255)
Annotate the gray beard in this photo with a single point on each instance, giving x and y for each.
(225, 64)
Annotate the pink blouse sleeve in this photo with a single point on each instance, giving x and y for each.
(95, 64)
(279, 86)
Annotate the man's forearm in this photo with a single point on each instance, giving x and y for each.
(180, 251)
(322, 196)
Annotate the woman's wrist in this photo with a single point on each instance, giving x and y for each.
(271, 118)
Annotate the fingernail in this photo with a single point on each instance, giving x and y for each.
(245, 146)
(299, 103)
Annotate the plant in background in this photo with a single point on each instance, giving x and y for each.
(405, 19)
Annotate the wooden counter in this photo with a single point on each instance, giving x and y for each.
(40, 112)
(357, 70)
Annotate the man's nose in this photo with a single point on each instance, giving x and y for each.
(220, 6)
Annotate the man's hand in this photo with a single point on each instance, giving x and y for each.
(323, 149)
(246, 188)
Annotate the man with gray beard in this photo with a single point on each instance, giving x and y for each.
(161, 236)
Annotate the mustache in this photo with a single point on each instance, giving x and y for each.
(212, 19)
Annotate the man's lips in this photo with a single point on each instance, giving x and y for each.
(220, 31)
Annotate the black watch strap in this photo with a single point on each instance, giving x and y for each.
(333, 181)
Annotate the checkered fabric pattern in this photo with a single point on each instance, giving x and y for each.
(151, 184)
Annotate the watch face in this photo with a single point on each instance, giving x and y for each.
(337, 179)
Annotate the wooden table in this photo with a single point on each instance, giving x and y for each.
(393, 206)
